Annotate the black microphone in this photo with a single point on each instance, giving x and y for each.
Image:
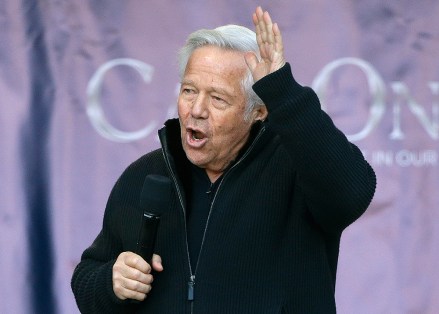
(154, 201)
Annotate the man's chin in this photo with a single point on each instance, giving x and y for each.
(195, 158)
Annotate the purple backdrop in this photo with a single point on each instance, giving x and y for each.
(84, 86)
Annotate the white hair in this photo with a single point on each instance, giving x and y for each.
(230, 37)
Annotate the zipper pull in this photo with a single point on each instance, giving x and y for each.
(190, 286)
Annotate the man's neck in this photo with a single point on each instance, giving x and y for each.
(213, 175)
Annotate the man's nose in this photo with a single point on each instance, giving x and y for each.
(200, 107)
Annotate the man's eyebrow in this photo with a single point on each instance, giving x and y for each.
(216, 89)
(224, 91)
(186, 81)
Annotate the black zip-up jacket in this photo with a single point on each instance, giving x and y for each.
(271, 242)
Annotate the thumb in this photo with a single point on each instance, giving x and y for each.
(157, 263)
(251, 60)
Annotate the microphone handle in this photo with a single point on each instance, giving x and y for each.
(147, 235)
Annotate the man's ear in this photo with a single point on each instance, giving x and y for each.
(260, 113)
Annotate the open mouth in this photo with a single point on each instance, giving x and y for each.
(197, 135)
(196, 138)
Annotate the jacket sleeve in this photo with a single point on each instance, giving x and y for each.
(92, 279)
(336, 180)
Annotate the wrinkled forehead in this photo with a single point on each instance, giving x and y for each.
(216, 69)
(212, 59)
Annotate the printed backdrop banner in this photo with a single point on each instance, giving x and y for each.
(85, 85)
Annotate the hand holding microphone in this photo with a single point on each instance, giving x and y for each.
(132, 277)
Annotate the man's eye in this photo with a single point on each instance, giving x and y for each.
(216, 98)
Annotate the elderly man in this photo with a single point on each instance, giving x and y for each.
(263, 184)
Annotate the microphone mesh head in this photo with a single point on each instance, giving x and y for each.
(155, 195)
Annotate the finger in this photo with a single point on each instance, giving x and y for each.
(261, 24)
(268, 28)
(258, 28)
(278, 42)
(267, 38)
(258, 13)
(136, 286)
(261, 32)
(136, 261)
(157, 262)
(125, 288)
(123, 293)
(121, 272)
(255, 19)
(251, 60)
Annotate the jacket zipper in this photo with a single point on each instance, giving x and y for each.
(191, 281)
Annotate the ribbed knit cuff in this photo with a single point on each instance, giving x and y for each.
(107, 273)
(274, 88)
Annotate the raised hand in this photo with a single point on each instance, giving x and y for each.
(270, 45)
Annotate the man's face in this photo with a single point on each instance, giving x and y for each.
(211, 107)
